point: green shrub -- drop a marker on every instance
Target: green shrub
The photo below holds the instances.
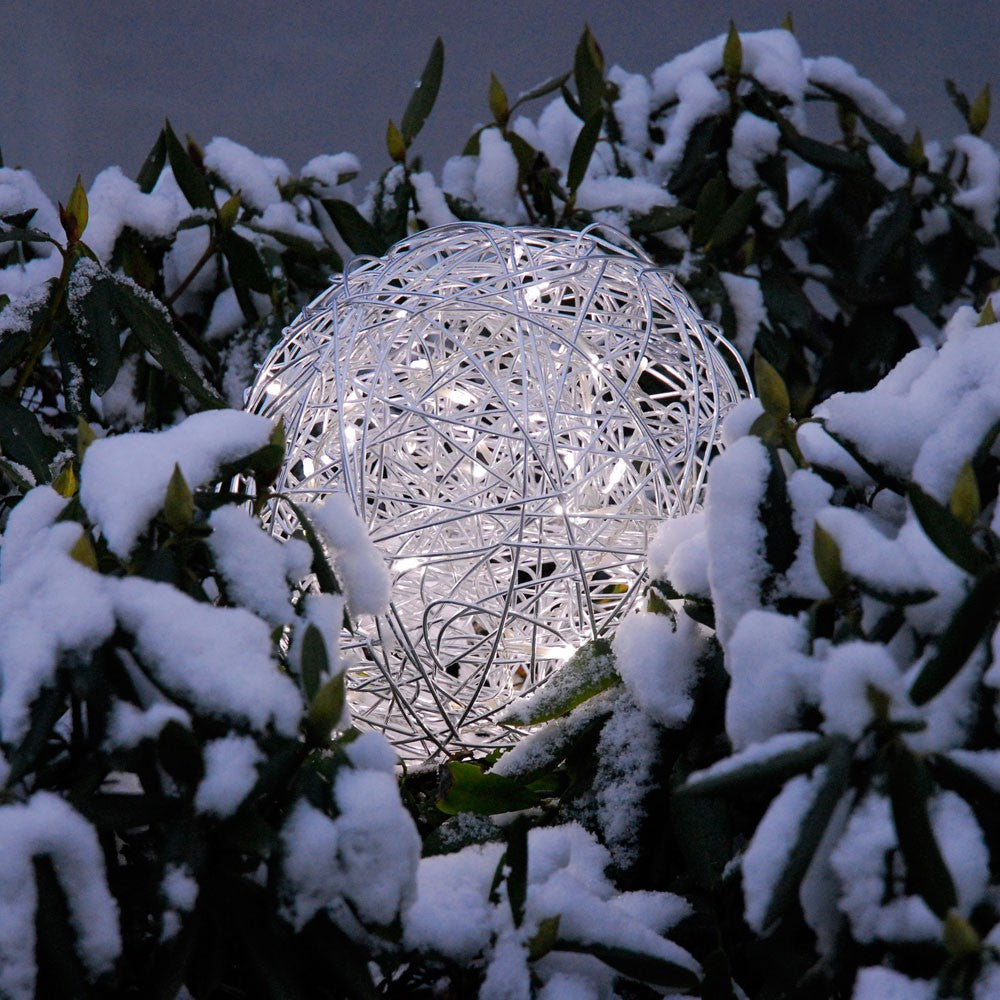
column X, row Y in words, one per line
column 789, row 759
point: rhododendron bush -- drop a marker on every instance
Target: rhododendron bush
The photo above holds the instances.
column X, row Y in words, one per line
column 779, row 777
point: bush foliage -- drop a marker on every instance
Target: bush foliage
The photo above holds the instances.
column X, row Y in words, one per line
column 785, row 782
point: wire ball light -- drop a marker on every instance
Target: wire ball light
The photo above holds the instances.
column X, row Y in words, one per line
column 512, row 412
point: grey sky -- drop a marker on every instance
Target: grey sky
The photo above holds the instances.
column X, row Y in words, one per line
column 85, row 85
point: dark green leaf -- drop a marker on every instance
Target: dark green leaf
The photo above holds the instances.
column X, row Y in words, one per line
column 244, row 262
column 760, row 773
column 588, row 672
column 322, row 564
column 970, row 625
column 46, row 710
column 23, row 441
column 60, row 971
column 151, row 325
column 950, row 536
column 469, row 789
column 709, row 208
column 781, row 540
column 152, row 166
column 735, row 219
column 424, row 95
column 958, row 98
column 546, row 87
column 636, row 964
column 180, row 753
column 315, row 664
column 661, row 218
column 24, row 234
column 890, row 231
column 571, row 102
column 879, row 474
column 583, row 150
column 99, row 330
column 190, row 179
column 811, row 830
column 357, row 232
column 588, row 74
column 703, row 830
column 926, row 872
column 517, row 868
column 821, row 154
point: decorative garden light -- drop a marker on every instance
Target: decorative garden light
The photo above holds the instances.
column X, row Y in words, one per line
column 512, row 413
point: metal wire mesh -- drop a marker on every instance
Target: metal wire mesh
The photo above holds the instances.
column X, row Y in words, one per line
column 512, row 413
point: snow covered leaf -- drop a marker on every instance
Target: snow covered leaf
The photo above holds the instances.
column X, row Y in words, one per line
column 588, row 672
column 646, row 968
column 761, row 766
column 786, row 839
column 22, row 439
column 151, row 324
column 969, row 626
column 322, row 564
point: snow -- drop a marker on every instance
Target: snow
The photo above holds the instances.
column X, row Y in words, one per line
column 626, row 756
column 657, row 659
column 771, row 677
column 981, row 195
column 755, row 753
column 736, row 567
column 230, row 775
column 860, row 858
column 116, row 202
column 46, row 826
column 849, row 671
column 747, row 300
column 124, row 479
column 878, row 983
column 219, row 658
column 820, row 449
column 495, row 183
column 180, row 892
column 434, row 210
column 809, row 494
column 367, row 855
column 772, row 844
column 50, row 605
column 841, row 76
column 329, row 168
column 256, row 567
column 984, row 764
column 632, row 107
column 130, row 725
column 698, row 98
column 754, row 139
column 887, row 171
column 452, row 914
column 255, row 177
column 360, row 567
column 679, row 554
column 771, row 57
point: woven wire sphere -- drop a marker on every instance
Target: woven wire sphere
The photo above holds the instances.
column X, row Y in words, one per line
column 512, row 412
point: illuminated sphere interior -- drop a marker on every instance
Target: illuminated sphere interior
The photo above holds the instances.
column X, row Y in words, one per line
column 512, row 413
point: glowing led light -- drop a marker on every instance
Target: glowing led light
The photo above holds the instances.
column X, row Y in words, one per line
column 513, row 412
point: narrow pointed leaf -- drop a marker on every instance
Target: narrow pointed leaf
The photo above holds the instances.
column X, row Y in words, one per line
column 470, row 789
column 926, row 871
column 322, row 564
column 583, row 150
column 152, row 166
column 638, row 965
column 424, row 94
column 355, row 230
column 946, row 531
column 191, row 181
column 970, row 625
